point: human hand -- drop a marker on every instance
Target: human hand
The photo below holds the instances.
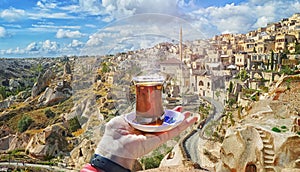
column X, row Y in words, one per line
column 123, row 144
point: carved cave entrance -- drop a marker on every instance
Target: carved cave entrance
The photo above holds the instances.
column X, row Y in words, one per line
column 251, row 168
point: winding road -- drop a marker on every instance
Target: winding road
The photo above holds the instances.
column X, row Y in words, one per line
column 192, row 142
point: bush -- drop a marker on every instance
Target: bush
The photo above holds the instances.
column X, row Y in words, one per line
column 24, row 123
column 275, row 129
column 152, row 162
column 283, row 127
column 49, row 113
column 74, row 124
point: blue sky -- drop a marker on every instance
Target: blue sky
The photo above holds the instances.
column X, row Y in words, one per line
column 39, row 28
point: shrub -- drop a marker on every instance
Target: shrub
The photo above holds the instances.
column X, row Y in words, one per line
column 152, row 162
column 74, row 124
column 24, row 123
column 275, row 129
column 49, row 113
column 283, row 127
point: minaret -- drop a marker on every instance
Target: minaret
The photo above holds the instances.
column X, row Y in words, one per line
column 180, row 44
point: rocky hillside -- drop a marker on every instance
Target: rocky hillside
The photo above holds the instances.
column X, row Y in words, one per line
column 263, row 135
column 46, row 104
column 53, row 111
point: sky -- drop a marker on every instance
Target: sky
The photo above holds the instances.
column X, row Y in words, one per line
column 51, row 28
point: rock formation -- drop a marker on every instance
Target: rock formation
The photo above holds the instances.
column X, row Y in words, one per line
column 67, row 69
column 61, row 92
column 42, row 82
column 19, row 141
column 258, row 148
column 82, row 153
column 49, row 142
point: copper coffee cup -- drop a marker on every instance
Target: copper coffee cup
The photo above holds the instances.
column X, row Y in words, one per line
column 149, row 107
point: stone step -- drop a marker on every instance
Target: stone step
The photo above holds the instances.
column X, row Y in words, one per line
column 268, row 146
column 268, row 162
column 269, row 157
column 270, row 168
column 269, row 152
column 265, row 140
column 263, row 135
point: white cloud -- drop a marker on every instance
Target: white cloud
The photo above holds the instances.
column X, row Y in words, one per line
column 2, row 32
column 139, row 31
column 68, row 34
column 13, row 25
column 91, row 6
column 49, row 15
column 50, row 46
column 76, row 44
column 117, row 9
column 12, row 14
column 90, row 25
column 50, row 27
column 94, row 40
column 132, row 28
column 15, row 51
column 243, row 17
column 32, row 47
column 42, row 48
column 45, row 5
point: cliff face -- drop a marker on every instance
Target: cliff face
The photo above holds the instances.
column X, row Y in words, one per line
column 239, row 148
column 51, row 141
column 254, row 147
column 266, row 137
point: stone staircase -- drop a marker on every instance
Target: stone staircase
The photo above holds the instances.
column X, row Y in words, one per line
column 268, row 151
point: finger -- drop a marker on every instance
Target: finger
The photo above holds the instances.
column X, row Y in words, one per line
column 178, row 108
column 186, row 114
column 177, row 130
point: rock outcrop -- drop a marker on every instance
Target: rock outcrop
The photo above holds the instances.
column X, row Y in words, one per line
column 67, row 69
column 258, row 148
column 82, row 153
column 247, row 149
column 42, row 82
column 49, row 142
column 6, row 103
column 61, row 92
column 19, row 141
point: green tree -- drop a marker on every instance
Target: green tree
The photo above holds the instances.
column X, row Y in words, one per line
column 74, row 124
column 2, row 93
column 105, row 68
column 243, row 75
column 37, row 69
column 24, row 123
column 286, row 70
column 49, row 113
column 218, row 94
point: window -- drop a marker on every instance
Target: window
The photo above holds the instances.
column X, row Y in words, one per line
column 201, row 83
